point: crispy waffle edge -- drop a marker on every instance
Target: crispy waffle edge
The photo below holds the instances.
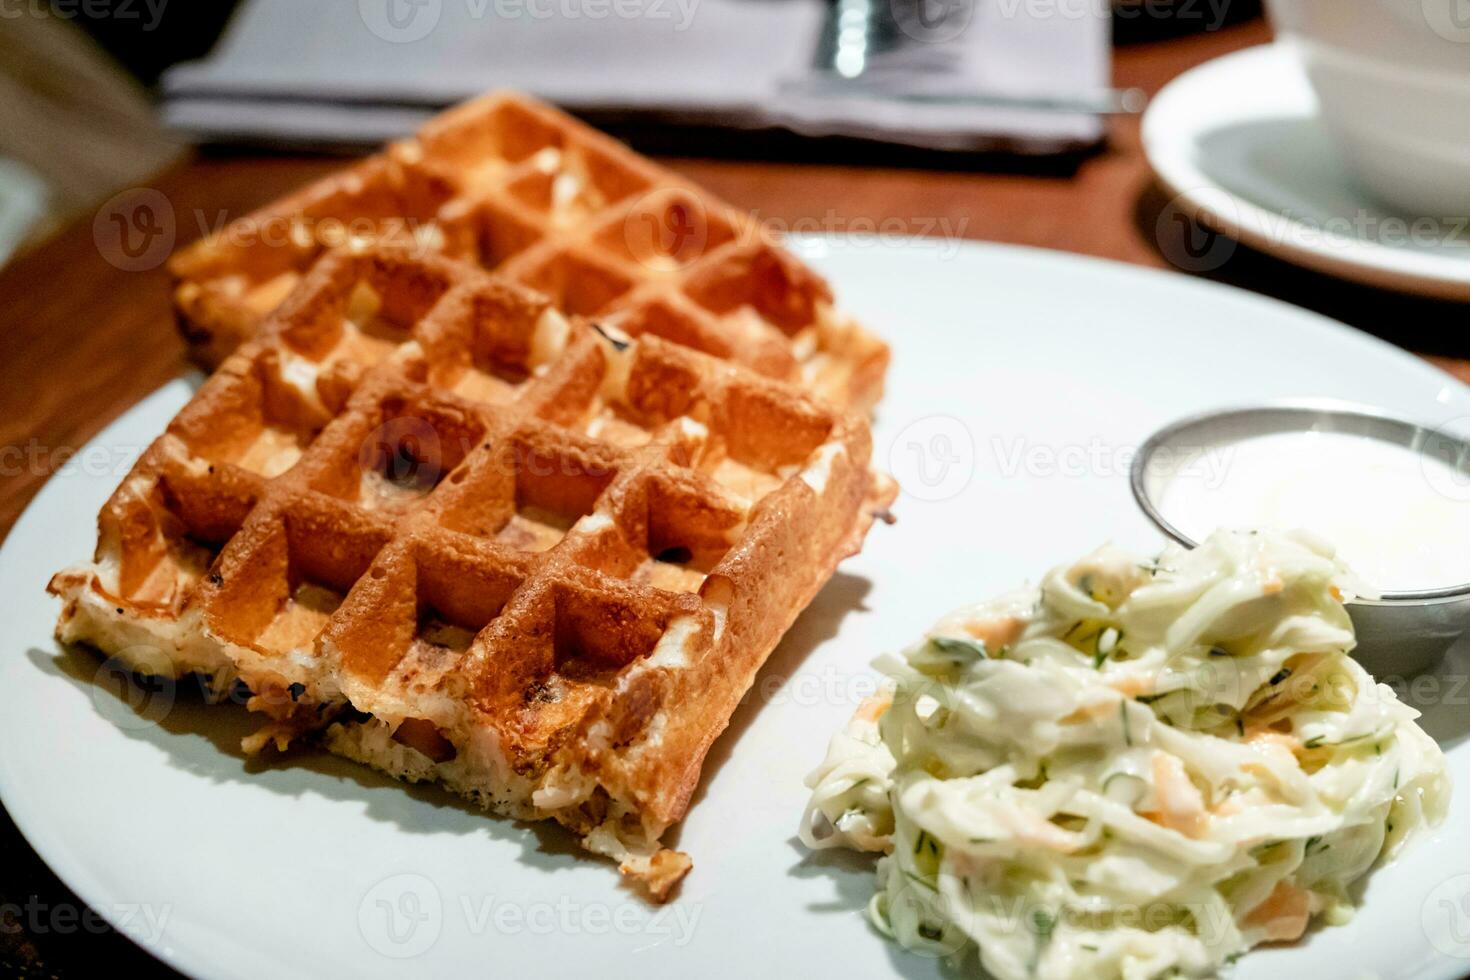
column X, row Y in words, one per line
column 510, row 184
column 558, row 621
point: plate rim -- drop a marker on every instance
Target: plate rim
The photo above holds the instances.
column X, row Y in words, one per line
column 1168, row 150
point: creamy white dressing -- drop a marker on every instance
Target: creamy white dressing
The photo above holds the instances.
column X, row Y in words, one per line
column 1385, row 507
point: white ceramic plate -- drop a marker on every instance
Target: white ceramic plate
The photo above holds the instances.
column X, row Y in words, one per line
column 1239, row 142
column 1020, row 383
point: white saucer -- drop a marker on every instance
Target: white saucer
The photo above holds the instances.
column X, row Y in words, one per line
column 1239, row 142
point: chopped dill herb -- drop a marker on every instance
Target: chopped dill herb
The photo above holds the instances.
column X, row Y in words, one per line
column 924, row 842
column 919, row 881
column 963, row 651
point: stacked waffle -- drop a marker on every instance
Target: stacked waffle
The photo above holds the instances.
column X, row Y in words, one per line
column 515, row 186
column 464, row 538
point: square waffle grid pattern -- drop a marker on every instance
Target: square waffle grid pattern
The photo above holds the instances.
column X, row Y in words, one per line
column 515, row 186
column 474, row 543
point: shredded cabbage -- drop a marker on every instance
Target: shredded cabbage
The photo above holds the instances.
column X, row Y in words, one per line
column 1140, row 768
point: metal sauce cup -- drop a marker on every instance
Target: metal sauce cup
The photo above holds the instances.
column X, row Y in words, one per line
column 1401, row 633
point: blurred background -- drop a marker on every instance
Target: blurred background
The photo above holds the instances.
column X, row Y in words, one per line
column 101, row 95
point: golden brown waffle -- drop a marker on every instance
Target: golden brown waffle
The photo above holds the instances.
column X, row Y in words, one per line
column 473, row 542
column 518, row 187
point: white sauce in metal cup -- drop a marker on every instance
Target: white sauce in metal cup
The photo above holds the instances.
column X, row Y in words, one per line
column 1399, row 518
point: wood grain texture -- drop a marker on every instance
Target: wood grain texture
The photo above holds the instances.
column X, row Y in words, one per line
column 85, row 339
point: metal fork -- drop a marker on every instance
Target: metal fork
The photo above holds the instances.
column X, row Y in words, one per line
column 878, row 48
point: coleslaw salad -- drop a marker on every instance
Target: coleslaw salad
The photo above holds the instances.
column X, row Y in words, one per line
column 1138, row 768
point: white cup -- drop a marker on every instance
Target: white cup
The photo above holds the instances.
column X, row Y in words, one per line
column 1393, row 81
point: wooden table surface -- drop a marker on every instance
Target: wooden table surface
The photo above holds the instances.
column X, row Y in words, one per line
column 86, row 339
